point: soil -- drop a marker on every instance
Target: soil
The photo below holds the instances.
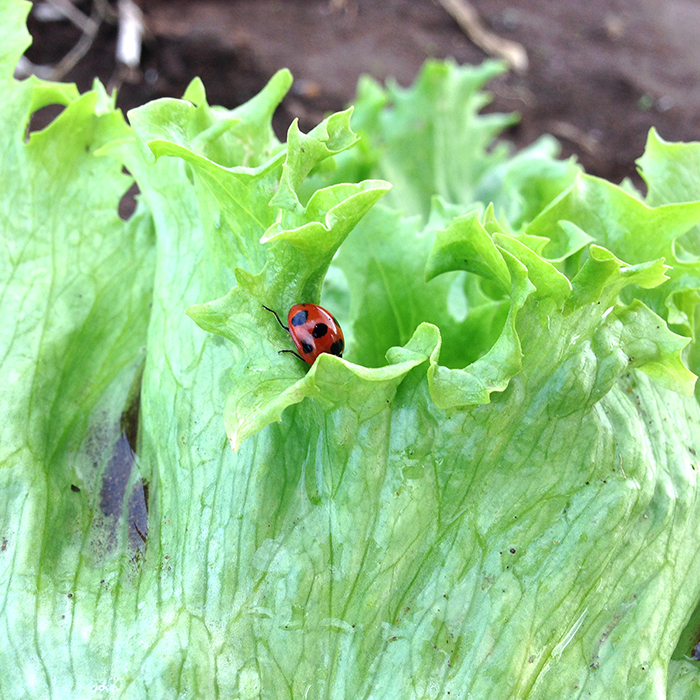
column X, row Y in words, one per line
column 601, row 72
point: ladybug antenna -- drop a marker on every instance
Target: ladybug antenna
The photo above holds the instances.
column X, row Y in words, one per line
column 272, row 311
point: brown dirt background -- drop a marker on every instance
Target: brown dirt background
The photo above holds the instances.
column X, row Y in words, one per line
column 601, row 72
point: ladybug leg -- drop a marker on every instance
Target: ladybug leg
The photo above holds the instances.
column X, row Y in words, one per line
column 286, row 328
column 293, row 353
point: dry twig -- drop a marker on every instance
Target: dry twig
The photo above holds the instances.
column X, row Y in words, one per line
column 468, row 19
column 130, row 33
column 128, row 54
column 572, row 133
column 87, row 25
column 72, row 13
column 83, row 45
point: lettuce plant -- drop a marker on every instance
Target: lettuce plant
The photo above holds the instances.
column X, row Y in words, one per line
column 495, row 493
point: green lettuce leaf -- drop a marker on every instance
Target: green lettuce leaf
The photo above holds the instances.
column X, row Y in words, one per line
column 493, row 494
column 75, row 296
column 428, row 139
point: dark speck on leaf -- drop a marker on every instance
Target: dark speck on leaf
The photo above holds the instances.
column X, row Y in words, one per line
column 75, row 488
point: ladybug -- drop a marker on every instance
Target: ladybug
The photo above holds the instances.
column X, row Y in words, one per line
column 314, row 331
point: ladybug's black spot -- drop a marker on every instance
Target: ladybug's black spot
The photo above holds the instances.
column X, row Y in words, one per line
column 305, row 347
column 320, row 329
column 338, row 347
column 299, row 318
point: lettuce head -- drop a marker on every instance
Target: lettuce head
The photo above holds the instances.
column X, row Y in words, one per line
column 494, row 494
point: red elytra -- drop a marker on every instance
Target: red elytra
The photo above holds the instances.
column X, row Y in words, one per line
column 313, row 330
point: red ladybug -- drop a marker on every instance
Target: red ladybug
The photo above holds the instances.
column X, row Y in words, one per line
column 313, row 330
